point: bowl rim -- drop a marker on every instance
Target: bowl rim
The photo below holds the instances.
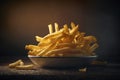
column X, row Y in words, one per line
column 94, row 56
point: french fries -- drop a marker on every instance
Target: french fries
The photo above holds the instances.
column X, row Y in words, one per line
column 25, row 67
column 50, row 28
column 83, row 70
column 63, row 42
column 56, row 27
column 16, row 63
column 19, row 64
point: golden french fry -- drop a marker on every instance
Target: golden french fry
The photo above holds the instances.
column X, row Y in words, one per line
column 25, row 67
column 72, row 25
column 31, row 47
column 90, row 38
column 61, row 45
column 38, row 39
column 56, row 27
column 16, row 63
column 83, row 70
column 31, row 53
column 50, row 28
column 35, row 51
column 93, row 47
column 21, row 63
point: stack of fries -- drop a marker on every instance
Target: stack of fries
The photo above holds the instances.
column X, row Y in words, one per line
column 63, row 42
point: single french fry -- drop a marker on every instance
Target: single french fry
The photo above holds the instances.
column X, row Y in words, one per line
column 50, row 28
column 25, row 67
column 35, row 51
column 93, row 47
column 21, row 63
column 72, row 25
column 56, row 27
column 31, row 47
column 90, row 38
column 38, row 39
column 83, row 70
column 16, row 63
column 66, row 29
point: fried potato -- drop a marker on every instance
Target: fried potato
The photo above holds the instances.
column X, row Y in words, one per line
column 66, row 29
column 16, row 63
column 25, row 67
column 38, row 38
column 31, row 47
column 83, row 70
column 61, row 50
column 61, row 45
column 56, row 27
column 50, row 28
column 19, row 64
column 72, row 25
column 63, row 42
column 93, row 47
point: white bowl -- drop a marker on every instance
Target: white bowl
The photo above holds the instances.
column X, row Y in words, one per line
column 62, row 62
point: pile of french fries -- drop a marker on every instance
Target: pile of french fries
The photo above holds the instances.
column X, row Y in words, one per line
column 64, row 42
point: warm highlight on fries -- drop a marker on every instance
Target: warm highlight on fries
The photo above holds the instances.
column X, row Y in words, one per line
column 63, row 42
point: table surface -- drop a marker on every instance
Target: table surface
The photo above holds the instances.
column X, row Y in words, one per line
column 96, row 72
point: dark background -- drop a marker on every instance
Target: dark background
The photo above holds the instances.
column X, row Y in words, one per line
column 20, row 21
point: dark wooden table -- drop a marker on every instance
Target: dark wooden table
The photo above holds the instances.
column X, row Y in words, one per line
column 94, row 72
